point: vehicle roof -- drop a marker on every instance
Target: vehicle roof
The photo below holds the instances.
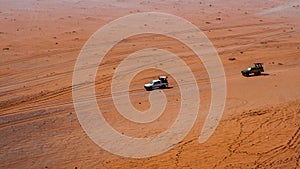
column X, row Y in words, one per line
column 155, row 80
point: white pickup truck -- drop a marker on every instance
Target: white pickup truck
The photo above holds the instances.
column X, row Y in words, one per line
column 160, row 83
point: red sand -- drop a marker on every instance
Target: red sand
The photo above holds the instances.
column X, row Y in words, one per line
column 41, row 40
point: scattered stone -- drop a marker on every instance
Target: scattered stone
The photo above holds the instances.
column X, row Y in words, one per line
column 207, row 22
column 280, row 63
column 219, row 18
column 241, row 52
column 5, row 48
column 140, row 103
column 231, row 59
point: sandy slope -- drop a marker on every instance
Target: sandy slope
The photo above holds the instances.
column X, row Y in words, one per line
column 40, row 42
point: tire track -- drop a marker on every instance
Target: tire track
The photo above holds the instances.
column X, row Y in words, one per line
column 242, row 26
column 43, row 95
column 41, row 55
column 41, row 115
column 293, row 143
column 272, row 116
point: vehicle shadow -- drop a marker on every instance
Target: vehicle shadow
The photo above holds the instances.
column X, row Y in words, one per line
column 262, row 74
column 161, row 88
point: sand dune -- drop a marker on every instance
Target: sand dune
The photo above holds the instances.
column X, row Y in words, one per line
column 40, row 43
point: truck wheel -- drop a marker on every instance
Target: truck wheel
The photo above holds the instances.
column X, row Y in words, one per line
column 245, row 74
column 257, row 73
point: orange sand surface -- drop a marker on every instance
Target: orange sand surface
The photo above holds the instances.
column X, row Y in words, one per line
column 41, row 40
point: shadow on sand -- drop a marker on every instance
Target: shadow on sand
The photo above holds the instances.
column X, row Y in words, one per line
column 262, row 74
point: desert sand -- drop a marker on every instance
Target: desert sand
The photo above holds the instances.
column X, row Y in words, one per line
column 40, row 43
